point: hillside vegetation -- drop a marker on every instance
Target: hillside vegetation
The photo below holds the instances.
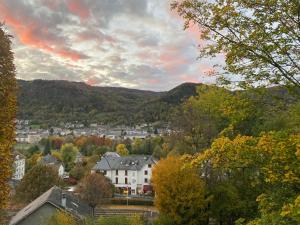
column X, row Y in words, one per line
column 51, row 102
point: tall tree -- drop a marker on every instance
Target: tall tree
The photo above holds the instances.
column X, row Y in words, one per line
column 36, row 181
column 253, row 177
column 260, row 39
column 68, row 155
column 179, row 192
column 7, row 113
column 94, row 188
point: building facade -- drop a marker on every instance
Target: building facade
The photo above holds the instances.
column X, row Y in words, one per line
column 129, row 173
column 19, row 166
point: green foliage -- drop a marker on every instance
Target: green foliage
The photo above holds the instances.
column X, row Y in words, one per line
column 252, row 178
column 68, row 155
column 53, row 102
column 32, row 150
column 48, row 147
column 257, row 38
column 37, row 181
column 7, row 113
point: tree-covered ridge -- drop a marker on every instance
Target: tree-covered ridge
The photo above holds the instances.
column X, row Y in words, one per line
column 52, row 101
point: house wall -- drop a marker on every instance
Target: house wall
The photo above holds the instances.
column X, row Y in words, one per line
column 39, row 216
column 135, row 178
column 19, row 169
column 61, row 170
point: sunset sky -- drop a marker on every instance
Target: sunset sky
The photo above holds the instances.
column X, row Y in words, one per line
column 129, row 43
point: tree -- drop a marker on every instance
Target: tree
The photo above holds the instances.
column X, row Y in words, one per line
column 260, row 39
column 180, row 192
column 158, row 152
column 7, row 113
column 37, row 181
column 68, row 155
column 47, row 148
column 94, row 188
column 122, row 150
column 32, row 150
column 252, row 177
column 78, row 171
column 61, row 218
column 213, row 111
column 137, row 146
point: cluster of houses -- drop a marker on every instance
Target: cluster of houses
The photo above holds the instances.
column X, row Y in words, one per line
column 129, row 174
column 26, row 134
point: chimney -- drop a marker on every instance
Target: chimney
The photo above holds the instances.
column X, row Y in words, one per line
column 63, row 200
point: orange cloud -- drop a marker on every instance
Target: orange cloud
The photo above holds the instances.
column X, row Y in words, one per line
column 27, row 35
column 78, row 8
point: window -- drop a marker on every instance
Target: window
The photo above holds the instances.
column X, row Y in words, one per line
column 149, row 165
column 104, row 172
column 126, row 172
column 126, row 180
column 117, row 172
column 117, row 180
column 146, row 180
column 146, row 172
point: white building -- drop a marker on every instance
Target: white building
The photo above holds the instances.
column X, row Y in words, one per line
column 132, row 173
column 19, row 166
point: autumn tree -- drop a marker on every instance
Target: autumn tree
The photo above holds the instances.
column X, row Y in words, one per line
column 260, row 39
column 61, row 218
column 122, row 150
column 94, row 188
column 180, row 192
column 37, row 181
column 68, row 155
column 252, row 177
column 7, row 113
column 212, row 112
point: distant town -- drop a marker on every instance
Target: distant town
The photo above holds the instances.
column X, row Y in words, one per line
column 32, row 134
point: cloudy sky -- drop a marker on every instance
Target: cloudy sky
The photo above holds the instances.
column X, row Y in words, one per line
column 129, row 43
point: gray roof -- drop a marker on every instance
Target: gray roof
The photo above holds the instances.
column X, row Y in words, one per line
column 50, row 160
column 132, row 162
column 54, row 196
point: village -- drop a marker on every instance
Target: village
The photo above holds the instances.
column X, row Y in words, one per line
column 130, row 174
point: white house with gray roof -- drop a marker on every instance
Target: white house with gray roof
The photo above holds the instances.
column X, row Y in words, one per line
column 129, row 172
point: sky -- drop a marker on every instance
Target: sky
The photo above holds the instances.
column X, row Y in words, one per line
column 129, row 43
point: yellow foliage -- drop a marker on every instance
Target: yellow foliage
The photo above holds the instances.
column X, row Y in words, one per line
column 122, row 150
column 61, row 218
column 7, row 114
column 179, row 191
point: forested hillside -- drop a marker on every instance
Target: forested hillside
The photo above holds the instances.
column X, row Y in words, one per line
column 54, row 101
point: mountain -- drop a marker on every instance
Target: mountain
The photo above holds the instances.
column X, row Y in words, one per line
column 51, row 102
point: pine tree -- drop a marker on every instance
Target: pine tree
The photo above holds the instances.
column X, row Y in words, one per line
column 7, row 113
